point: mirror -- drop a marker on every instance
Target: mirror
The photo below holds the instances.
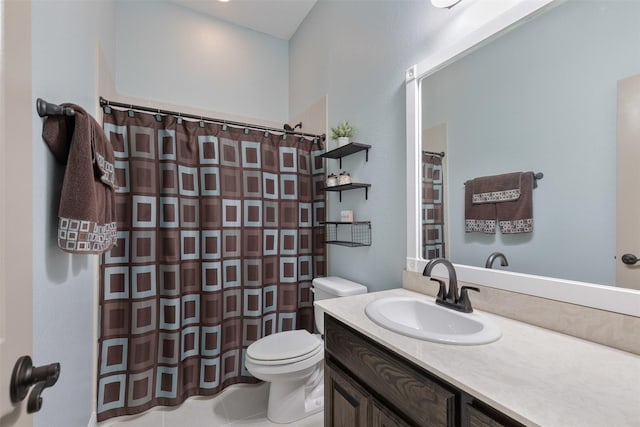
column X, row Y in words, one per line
column 540, row 97
column 586, row 293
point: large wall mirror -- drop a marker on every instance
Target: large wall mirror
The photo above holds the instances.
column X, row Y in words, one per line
column 537, row 91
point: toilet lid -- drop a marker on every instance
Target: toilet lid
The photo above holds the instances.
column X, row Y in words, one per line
column 284, row 345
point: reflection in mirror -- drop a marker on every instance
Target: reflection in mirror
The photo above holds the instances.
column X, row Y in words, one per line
column 542, row 98
column 433, row 201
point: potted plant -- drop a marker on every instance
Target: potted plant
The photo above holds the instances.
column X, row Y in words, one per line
column 342, row 133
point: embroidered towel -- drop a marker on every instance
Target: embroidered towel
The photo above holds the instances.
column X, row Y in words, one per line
column 516, row 216
column 87, row 213
column 506, row 200
column 478, row 217
column 496, row 188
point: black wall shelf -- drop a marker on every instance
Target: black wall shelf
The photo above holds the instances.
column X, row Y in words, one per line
column 346, row 150
column 359, row 233
column 352, row 186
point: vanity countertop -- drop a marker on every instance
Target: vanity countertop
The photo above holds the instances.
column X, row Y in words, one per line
column 534, row 375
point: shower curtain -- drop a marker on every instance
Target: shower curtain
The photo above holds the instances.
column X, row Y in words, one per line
column 432, row 207
column 219, row 237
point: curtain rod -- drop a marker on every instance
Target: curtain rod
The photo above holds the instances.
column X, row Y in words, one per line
column 106, row 103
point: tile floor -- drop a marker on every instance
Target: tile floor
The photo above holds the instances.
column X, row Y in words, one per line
column 239, row 405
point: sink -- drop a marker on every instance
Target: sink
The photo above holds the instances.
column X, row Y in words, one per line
column 425, row 320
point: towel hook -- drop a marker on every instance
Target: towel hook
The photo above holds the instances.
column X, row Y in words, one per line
column 45, row 108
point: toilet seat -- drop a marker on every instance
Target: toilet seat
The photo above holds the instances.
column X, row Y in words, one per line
column 284, row 348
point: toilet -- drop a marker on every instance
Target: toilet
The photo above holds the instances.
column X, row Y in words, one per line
column 293, row 361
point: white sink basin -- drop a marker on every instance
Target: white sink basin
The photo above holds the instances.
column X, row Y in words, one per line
column 425, row 320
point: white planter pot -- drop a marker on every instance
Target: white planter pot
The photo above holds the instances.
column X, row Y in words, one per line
column 343, row 140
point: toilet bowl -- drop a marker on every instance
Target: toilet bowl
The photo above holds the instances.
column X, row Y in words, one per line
column 293, row 361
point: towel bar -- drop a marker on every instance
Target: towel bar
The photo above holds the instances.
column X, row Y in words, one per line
column 537, row 176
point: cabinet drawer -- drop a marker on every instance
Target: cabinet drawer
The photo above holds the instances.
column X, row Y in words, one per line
column 393, row 379
column 478, row 419
column 488, row 418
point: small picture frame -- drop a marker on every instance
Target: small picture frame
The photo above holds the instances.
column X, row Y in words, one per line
column 346, row 216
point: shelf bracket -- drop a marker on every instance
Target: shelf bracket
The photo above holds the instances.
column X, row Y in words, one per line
column 366, row 194
column 366, row 157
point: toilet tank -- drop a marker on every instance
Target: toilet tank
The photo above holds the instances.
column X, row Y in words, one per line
column 332, row 287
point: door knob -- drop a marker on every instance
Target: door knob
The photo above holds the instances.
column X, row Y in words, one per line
column 630, row 259
column 25, row 375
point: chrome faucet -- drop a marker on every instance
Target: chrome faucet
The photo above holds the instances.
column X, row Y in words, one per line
column 450, row 298
column 493, row 257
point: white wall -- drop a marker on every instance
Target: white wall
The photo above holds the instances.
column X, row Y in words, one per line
column 170, row 54
column 65, row 42
column 357, row 53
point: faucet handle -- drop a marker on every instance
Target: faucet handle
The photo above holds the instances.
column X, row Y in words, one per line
column 464, row 302
column 442, row 291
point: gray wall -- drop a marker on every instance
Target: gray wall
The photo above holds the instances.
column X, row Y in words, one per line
column 171, row 54
column 65, row 37
column 357, row 53
column 542, row 98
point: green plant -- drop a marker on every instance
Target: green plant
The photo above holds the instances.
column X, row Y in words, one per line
column 343, row 129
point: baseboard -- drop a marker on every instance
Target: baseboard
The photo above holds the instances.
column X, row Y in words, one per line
column 93, row 421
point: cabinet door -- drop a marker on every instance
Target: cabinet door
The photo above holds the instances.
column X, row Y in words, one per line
column 383, row 417
column 346, row 404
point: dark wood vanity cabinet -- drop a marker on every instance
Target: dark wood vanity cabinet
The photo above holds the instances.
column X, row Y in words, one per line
column 367, row 385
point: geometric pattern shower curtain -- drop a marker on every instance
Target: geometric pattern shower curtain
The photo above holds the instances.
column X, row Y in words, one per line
column 218, row 240
column 433, row 245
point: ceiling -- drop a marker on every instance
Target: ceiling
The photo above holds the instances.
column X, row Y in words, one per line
column 278, row 18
